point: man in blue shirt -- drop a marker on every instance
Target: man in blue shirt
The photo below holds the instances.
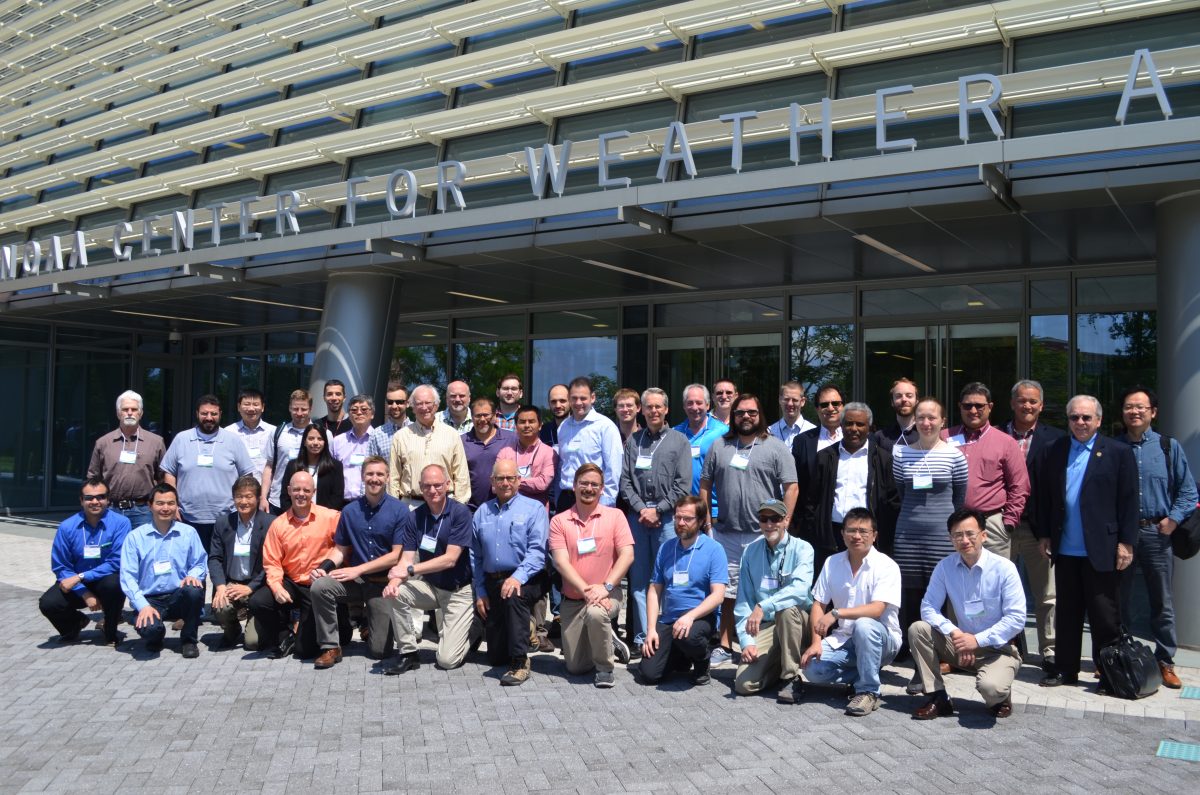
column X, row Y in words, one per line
column 686, row 589
column 508, row 558
column 1167, row 496
column 701, row 430
column 85, row 558
column 772, row 606
column 367, row 544
column 162, row 572
column 989, row 607
column 587, row 437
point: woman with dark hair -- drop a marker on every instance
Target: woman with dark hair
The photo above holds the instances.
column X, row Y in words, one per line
column 315, row 459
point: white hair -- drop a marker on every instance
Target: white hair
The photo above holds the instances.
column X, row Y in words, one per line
column 129, row 394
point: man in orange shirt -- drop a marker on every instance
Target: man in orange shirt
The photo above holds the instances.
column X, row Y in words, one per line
column 297, row 543
column 592, row 549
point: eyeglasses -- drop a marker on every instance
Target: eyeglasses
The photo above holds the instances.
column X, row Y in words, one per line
column 964, row 536
column 771, row 519
column 1080, row 417
column 1138, row 409
column 830, row 404
column 505, row 478
column 95, row 497
column 973, row 406
column 746, row 413
column 857, row 531
column 433, row 487
column 360, row 409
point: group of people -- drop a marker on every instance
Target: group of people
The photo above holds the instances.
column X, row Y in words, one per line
column 822, row 552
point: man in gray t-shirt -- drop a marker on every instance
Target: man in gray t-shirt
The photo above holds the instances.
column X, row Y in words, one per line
column 746, row 467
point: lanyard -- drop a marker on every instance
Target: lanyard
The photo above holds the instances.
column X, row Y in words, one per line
column 437, row 531
column 654, row 447
column 136, row 440
column 678, row 552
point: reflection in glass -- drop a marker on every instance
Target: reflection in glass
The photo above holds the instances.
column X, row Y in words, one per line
column 559, row 360
column 822, row 355
column 420, row 364
column 752, row 361
column 483, row 364
column 681, row 362
column 1049, row 364
column 81, row 377
column 22, row 447
column 157, row 391
column 985, row 352
column 1113, row 351
column 285, row 372
column 890, row 354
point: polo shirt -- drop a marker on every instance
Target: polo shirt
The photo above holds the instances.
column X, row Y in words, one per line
column 94, row 553
column 481, row 457
column 156, row 563
column 699, row 567
column 452, row 526
column 205, row 471
column 769, row 467
column 509, row 537
column 877, row 580
column 701, row 442
column 371, row 532
column 610, row 529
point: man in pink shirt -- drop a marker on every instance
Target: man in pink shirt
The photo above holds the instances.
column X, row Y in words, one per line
column 592, row 549
column 537, row 462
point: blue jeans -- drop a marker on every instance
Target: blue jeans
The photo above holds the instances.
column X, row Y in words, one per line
column 859, row 659
column 184, row 602
column 646, row 541
column 1152, row 554
column 137, row 516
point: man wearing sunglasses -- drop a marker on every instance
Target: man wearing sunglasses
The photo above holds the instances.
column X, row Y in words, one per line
column 1086, row 519
column 806, row 446
column 396, row 411
column 997, row 480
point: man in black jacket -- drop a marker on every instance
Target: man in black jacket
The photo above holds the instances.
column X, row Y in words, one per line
column 854, row 473
column 806, row 445
column 235, row 562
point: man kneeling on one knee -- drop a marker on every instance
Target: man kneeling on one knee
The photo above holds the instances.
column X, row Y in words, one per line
column 989, row 603
column 771, row 610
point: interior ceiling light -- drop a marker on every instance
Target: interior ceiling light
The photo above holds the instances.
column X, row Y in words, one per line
column 172, row 317
column 274, row 303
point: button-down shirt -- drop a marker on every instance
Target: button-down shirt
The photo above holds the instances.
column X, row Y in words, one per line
column 416, row 447
column 509, row 537
column 134, row 480
column 239, row 565
column 789, row 567
column 93, row 552
column 826, row 437
column 294, row 547
column 666, row 475
column 371, row 531
column 997, row 479
column 506, row 422
column 786, row 433
column 145, row 549
column 537, row 465
column 381, row 438
column 481, row 457
column 988, row 598
column 877, row 580
column 351, row 450
column 1023, row 438
column 1165, row 488
column 703, row 564
column 461, row 427
column 205, row 470
column 850, row 490
column 596, row 440
column 258, row 443
column 1072, row 542
column 285, row 447
column 452, row 527
column 701, row 442
column 607, row 526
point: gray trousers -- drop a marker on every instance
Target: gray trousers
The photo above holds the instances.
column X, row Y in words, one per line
column 994, row 668
column 1041, row 584
column 326, row 593
column 456, row 616
column 998, row 542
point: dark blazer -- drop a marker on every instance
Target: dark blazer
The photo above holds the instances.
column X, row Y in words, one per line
column 804, row 451
column 223, row 538
column 1043, row 437
column 1108, row 499
column 883, row 500
column 331, row 487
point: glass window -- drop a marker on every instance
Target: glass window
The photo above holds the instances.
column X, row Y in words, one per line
column 617, row 8
column 870, row 12
column 666, row 52
column 421, row 364
column 823, row 305
column 1049, row 364
column 181, row 121
column 637, row 316
column 506, row 87
column 112, row 178
column 584, row 321
column 114, row 339
column 386, row 66
column 182, row 160
column 284, row 373
column 919, row 70
column 485, row 41
column 11, row 332
column 291, row 339
column 635, row 363
column 325, row 82
column 1121, row 290
column 823, row 355
column 1095, row 43
column 1096, row 112
column 414, row 9
column 483, row 364
column 238, row 343
column 890, row 354
column 314, row 129
column 490, row 144
column 22, row 448
column 381, row 163
column 557, row 361
column 500, row 326
column 245, row 103
column 234, row 373
column 62, row 191
column 1049, row 293
column 301, row 178
column 774, row 31
column 946, row 298
column 78, row 419
column 240, row 146
column 704, row 313
column 586, row 126
column 123, row 137
column 1114, row 350
column 404, row 108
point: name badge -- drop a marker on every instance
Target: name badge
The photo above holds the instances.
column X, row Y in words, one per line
column 679, row 578
column 523, row 471
column 974, row 608
column 643, row 462
column 204, row 459
column 922, row 481
column 128, row 457
column 91, row 551
column 428, row 543
column 739, row 461
column 769, row 583
column 586, row 546
column 241, row 550
column 162, row 567
column 356, row 459
column 254, row 452
column 695, row 451
column 293, row 454
column 957, row 440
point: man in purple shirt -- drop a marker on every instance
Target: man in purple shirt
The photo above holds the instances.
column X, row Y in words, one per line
column 352, row 447
column 482, row 444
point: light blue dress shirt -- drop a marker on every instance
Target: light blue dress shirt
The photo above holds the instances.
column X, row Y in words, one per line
column 177, row 554
column 509, row 537
column 988, row 599
column 1072, row 542
column 789, row 565
column 594, row 440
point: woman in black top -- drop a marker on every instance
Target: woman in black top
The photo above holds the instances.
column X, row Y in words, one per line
column 315, row 459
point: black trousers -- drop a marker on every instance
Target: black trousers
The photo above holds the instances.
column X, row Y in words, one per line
column 566, row 501
column 275, row 620
column 506, row 627
column 205, row 531
column 184, row 602
column 1083, row 591
column 62, row 609
column 676, row 653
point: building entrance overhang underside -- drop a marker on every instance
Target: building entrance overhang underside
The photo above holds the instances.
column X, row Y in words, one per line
column 1064, row 200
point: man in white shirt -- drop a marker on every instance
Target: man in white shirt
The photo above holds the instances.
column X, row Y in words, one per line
column 989, row 605
column 790, row 424
column 255, row 433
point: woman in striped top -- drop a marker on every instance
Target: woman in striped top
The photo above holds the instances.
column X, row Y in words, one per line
column 931, row 477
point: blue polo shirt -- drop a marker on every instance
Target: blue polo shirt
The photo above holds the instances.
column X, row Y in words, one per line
column 701, row 442
column 453, row 526
column 705, row 563
column 95, row 553
column 371, row 532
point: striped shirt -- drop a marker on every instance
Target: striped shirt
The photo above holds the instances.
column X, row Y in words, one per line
column 416, row 447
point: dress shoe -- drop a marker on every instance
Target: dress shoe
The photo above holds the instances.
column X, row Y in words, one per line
column 364, row 634
column 190, row 651
column 286, row 644
column 154, row 646
column 178, row 625
column 1057, row 679
column 1003, row 709
column 1169, row 677
column 403, row 664
column 935, row 708
column 545, row 644
column 229, row 640
column 1048, row 664
column 71, row 637
column 328, row 658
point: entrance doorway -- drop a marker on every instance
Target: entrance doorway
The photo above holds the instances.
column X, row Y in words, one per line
column 159, row 385
column 751, row 361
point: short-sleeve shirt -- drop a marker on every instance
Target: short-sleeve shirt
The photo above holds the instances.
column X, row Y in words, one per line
column 770, row 465
column 687, row 575
column 259, row 443
column 452, row 527
column 608, row 526
column 205, row 471
column 878, row 580
column 371, row 532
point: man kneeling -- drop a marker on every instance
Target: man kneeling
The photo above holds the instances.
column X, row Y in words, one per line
column 690, row 575
column 985, row 591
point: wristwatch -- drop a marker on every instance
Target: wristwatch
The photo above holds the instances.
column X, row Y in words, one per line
column 411, row 573
column 608, row 587
column 836, row 615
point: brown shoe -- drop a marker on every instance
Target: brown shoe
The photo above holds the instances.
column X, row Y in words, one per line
column 945, row 668
column 935, row 708
column 1003, row 709
column 1169, row 677
column 518, row 673
column 329, row 658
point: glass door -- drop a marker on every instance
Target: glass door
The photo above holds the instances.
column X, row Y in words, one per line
column 751, row 361
column 159, row 387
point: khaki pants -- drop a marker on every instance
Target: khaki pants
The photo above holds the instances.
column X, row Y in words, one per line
column 1041, row 584
column 231, row 618
column 455, row 614
column 994, row 668
column 998, row 542
column 587, row 633
column 780, row 645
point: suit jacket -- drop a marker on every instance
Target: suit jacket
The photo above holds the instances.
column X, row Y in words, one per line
column 883, row 500
column 223, row 539
column 1043, row 437
column 331, row 487
column 804, row 451
column 1108, row 499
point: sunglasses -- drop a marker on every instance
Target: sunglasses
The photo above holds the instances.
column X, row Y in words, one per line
column 1080, row 417
column 973, row 406
column 746, row 413
column 95, row 497
column 772, row 519
column 830, row 404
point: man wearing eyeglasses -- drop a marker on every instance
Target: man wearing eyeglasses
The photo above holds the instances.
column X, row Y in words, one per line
column 351, row 448
column 396, row 410
column 1087, row 521
column 806, row 445
column 746, row 466
column 790, row 424
column 458, row 406
column 86, row 560
column 422, row 443
column 997, row 479
column 989, row 612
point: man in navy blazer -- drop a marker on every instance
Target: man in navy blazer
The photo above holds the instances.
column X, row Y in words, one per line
column 235, row 562
column 1087, row 522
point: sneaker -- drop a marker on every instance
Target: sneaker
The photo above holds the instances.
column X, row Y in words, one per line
column 720, row 656
column 862, row 704
column 604, row 679
column 915, row 686
column 518, row 673
column 620, row 650
column 791, row 693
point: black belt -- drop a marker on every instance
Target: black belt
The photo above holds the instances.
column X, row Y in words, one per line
column 127, row 504
column 1148, row 523
column 375, row 578
column 499, row 575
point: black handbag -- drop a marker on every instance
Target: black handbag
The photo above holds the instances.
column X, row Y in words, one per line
column 1129, row 669
column 1185, row 541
